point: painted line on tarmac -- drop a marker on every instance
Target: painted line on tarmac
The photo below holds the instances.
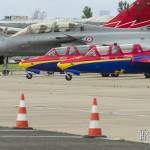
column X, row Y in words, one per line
column 66, row 137
column 41, row 136
column 19, row 130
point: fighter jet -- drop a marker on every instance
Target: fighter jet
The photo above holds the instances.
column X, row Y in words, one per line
column 37, row 39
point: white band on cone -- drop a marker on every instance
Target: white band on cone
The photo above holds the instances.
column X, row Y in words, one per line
column 22, row 103
column 94, row 109
column 21, row 117
column 94, row 124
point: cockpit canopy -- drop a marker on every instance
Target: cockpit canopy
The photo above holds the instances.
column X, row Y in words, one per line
column 55, row 26
column 96, row 50
column 68, row 51
column 121, row 49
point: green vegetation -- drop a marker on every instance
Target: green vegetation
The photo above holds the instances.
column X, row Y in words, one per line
column 87, row 12
column 123, row 5
column 12, row 67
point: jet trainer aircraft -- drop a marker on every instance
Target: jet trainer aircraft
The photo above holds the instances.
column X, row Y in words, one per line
column 49, row 61
column 37, row 39
column 110, row 60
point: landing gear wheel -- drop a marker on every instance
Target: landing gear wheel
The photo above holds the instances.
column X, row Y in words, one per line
column 29, row 76
column 50, row 73
column 114, row 75
column 147, row 75
column 68, row 77
column 105, row 74
column 5, row 72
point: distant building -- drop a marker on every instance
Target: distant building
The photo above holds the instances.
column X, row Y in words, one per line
column 16, row 18
column 104, row 13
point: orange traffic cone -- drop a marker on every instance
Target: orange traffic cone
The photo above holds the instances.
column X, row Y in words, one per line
column 22, row 121
column 94, row 128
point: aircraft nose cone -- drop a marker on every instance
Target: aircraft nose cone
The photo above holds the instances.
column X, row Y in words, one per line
column 21, row 64
column 24, row 64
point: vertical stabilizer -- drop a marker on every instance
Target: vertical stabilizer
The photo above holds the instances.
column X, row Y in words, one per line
column 137, row 15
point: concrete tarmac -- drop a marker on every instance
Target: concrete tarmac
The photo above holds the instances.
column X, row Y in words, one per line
column 11, row 139
column 55, row 104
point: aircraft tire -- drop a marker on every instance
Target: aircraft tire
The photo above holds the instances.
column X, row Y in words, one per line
column 147, row 75
column 114, row 75
column 29, row 76
column 5, row 72
column 105, row 74
column 50, row 73
column 68, row 77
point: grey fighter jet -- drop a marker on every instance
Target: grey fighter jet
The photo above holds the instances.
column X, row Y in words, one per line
column 37, row 39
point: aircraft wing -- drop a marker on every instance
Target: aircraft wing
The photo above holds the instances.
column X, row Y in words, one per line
column 143, row 60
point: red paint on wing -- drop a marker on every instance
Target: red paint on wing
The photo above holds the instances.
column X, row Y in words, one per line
column 145, row 60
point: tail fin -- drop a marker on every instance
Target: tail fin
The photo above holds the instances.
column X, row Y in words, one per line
column 137, row 15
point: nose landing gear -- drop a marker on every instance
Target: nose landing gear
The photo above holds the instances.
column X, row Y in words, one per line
column 29, row 75
column 68, row 77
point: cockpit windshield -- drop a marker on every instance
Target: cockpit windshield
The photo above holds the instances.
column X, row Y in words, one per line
column 103, row 50
column 60, row 51
column 146, row 47
column 69, row 51
column 98, row 50
column 91, row 53
column 128, row 48
column 83, row 49
column 52, row 53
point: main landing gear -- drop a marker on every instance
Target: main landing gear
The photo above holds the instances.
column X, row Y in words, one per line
column 5, row 70
column 147, row 75
column 68, row 76
column 112, row 74
column 105, row 74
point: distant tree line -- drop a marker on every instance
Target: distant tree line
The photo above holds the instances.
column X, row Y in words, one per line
column 39, row 14
column 87, row 11
column 123, row 5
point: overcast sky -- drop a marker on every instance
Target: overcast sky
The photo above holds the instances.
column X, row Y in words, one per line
column 57, row 8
